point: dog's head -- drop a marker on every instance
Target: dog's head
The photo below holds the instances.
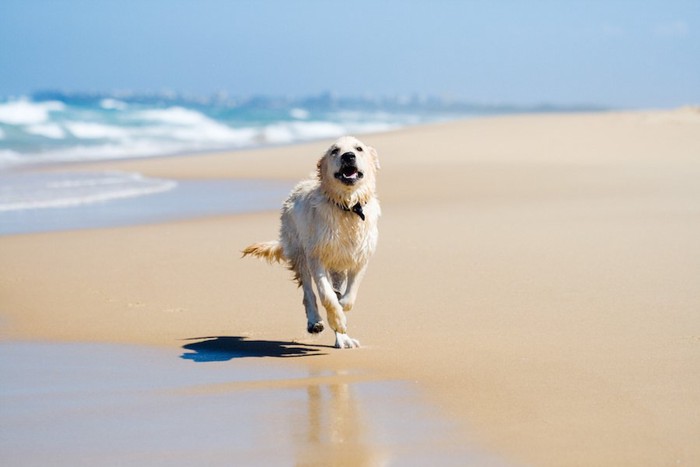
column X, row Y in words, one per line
column 348, row 167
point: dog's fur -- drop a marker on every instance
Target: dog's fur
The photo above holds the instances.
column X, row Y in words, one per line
column 328, row 233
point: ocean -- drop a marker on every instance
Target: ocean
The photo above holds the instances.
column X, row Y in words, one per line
column 58, row 127
column 54, row 128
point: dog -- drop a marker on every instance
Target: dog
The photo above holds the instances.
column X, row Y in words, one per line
column 329, row 232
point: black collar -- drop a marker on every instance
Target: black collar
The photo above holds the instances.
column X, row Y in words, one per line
column 357, row 209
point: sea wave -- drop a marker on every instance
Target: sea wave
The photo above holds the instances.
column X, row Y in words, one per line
column 25, row 112
column 47, row 130
column 58, row 128
column 113, row 104
column 58, row 190
column 174, row 116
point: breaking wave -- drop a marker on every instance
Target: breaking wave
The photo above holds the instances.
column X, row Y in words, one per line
column 58, row 128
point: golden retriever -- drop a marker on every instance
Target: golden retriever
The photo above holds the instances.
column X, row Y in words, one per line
column 328, row 233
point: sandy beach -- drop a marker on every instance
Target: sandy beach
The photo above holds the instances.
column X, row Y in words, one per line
column 536, row 283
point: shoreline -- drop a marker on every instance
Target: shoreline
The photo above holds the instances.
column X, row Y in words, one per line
column 534, row 276
column 110, row 203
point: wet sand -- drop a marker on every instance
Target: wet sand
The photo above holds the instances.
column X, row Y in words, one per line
column 536, row 278
column 98, row 404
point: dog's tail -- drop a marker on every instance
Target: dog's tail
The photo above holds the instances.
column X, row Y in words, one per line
column 269, row 251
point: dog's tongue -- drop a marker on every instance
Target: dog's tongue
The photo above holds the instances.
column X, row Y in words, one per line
column 350, row 172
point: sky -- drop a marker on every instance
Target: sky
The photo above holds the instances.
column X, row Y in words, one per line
column 631, row 54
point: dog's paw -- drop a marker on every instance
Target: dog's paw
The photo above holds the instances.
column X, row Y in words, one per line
column 343, row 341
column 315, row 328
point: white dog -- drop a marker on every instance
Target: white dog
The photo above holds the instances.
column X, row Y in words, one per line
column 328, row 233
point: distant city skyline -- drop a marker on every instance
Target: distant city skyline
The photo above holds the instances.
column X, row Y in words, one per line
column 615, row 54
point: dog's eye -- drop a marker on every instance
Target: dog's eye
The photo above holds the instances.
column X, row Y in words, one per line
column 359, row 149
column 335, row 151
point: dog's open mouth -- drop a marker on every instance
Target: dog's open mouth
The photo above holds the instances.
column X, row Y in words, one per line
column 349, row 174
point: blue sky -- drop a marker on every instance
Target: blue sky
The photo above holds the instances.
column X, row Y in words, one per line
column 643, row 53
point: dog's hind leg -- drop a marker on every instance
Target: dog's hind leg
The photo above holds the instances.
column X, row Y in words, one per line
column 347, row 300
column 339, row 281
column 314, row 322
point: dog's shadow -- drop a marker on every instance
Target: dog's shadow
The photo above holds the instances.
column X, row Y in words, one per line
column 225, row 348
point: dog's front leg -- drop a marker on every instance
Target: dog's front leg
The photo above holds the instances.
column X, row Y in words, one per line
column 347, row 300
column 324, row 285
column 334, row 311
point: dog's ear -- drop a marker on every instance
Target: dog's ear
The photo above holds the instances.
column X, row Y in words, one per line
column 375, row 157
column 321, row 166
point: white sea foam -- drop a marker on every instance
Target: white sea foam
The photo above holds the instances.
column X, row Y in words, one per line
column 60, row 190
column 288, row 132
column 210, row 132
column 47, row 130
column 24, row 112
column 113, row 104
column 299, row 114
column 193, row 128
column 117, row 150
column 174, row 116
column 89, row 130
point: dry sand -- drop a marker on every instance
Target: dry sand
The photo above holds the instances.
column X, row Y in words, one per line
column 538, row 276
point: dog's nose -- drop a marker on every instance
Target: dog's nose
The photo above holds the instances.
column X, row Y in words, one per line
column 348, row 158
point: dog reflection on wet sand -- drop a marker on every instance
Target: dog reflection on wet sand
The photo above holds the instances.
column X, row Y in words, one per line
column 334, row 430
